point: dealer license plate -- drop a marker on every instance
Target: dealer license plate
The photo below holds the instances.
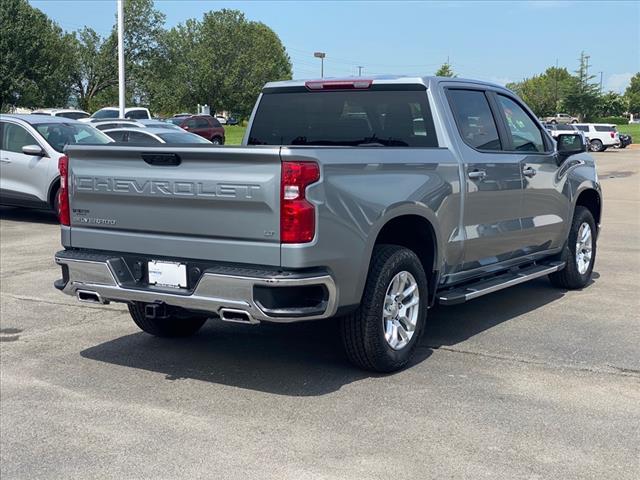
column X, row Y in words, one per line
column 167, row 274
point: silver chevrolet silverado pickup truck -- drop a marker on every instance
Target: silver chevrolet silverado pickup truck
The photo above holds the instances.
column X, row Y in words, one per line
column 367, row 200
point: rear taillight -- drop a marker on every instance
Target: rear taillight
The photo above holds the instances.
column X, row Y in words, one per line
column 613, row 135
column 63, row 192
column 297, row 215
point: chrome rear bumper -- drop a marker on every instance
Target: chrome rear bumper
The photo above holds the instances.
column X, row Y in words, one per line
column 103, row 275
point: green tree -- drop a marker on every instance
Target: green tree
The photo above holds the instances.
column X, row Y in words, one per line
column 632, row 95
column 96, row 69
column 545, row 93
column 222, row 60
column 611, row 104
column 583, row 99
column 445, row 70
column 35, row 61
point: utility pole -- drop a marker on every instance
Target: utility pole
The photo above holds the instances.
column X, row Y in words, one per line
column 600, row 82
column 360, row 70
column 555, row 81
column 121, row 99
column 321, row 56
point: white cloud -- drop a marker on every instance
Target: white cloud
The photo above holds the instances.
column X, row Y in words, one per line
column 617, row 82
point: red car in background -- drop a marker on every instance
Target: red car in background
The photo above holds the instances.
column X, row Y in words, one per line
column 204, row 125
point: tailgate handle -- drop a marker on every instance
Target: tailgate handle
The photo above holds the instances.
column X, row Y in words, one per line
column 162, row 159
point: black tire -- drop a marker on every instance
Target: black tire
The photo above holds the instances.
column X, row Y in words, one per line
column 596, row 145
column 172, row 326
column 553, row 122
column 574, row 121
column 570, row 277
column 216, row 141
column 56, row 201
column 363, row 332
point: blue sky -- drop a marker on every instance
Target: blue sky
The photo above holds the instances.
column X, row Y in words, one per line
column 497, row 41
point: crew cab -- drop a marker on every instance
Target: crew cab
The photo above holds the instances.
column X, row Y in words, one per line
column 370, row 200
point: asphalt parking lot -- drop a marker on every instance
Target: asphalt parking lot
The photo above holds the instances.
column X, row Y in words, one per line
column 531, row 382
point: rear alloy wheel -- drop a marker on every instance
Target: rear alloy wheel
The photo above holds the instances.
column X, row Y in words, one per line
column 553, row 122
column 580, row 252
column 401, row 309
column 216, row 141
column 383, row 332
column 596, row 145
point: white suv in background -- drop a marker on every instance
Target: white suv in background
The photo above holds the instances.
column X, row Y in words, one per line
column 71, row 113
column 30, row 147
column 600, row 135
column 135, row 113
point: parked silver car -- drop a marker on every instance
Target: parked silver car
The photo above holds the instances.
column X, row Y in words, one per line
column 30, row 147
column 153, row 136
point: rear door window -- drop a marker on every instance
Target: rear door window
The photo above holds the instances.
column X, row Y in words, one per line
column 118, row 136
column 202, row 123
column 604, row 128
column 475, row 121
column 383, row 118
column 140, row 137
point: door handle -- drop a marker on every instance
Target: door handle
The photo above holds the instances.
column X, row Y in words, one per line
column 529, row 172
column 5, row 161
column 477, row 174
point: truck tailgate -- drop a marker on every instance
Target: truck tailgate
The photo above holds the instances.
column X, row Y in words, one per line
column 218, row 203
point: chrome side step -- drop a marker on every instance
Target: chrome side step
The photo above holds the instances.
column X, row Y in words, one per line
column 490, row 285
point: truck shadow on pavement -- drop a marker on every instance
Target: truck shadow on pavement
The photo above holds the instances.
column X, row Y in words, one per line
column 304, row 359
column 17, row 214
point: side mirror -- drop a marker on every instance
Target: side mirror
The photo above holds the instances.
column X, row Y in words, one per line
column 569, row 144
column 33, row 150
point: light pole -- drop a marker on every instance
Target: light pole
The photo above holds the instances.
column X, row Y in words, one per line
column 121, row 57
column 360, row 71
column 321, row 56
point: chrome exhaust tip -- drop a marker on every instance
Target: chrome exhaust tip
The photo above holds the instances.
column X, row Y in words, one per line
column 87, row 296
column 237, row 316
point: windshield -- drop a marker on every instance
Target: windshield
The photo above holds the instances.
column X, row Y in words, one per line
column 59, row 135
column 73, row 115
column 176, row 137
column 175, row 121
column 105, row 113
column 389, row 118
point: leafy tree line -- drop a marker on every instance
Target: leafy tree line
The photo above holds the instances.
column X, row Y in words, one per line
column 222, row 60
column 556, row 90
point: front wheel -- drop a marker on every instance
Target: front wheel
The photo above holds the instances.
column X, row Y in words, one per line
column 170, row 326
column 579, row 254
column 382, row 334
column 216, row 141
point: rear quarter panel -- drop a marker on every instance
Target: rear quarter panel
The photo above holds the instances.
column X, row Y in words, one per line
column 360, row 190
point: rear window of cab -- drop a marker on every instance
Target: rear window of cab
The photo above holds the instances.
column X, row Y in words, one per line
column 371, row 118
